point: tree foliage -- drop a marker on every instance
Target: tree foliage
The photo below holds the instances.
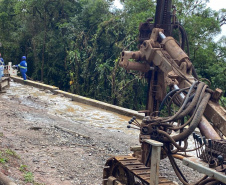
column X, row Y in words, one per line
column 76, row 45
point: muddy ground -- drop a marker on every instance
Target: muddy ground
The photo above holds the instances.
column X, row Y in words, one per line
column 36, row 149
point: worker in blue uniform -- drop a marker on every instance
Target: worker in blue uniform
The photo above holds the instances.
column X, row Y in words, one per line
column 1, row 66
column 1, row 59
column 23, row 67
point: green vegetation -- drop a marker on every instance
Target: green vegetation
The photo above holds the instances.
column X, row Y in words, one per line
column 76, row 45
column 23, row 168
column 11, row 153
column 3, row 160
column 28, row 176
column 8, row 156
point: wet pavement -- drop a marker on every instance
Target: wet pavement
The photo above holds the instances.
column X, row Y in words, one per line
column 76, row 112
column 64, row 107
column 107, row 131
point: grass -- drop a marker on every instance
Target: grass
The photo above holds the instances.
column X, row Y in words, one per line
column 11, row 153
column 3, row 158
column 23, row 168
column 29, row 177
column 7, row 155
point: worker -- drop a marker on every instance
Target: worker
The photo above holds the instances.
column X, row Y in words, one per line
column 1, row 66
column 1, row 60
column 23, row 67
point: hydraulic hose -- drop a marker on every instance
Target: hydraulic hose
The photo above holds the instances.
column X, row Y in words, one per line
column 193, row 103
column 184, row 103
column 167, row 96
column 184, row 36
column 185, row 39
column 196, row 119
column 177, row 170
column 190, row 119
column 202, row 179
column 172, row 140
column 204, row 182
column 213, row 182
column 175, row 94
column 200, row 108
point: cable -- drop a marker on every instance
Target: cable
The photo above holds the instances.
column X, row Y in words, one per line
column 184, row 103
column 177, row 170
column 197, row 117
column 204, row 182
column 163, row 101
column 193, row 103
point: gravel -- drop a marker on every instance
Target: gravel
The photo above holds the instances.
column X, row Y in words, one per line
column 59, row 151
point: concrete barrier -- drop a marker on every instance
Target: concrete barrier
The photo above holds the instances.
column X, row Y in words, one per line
column 4, row 83
column 82, row 99
column 33, row 83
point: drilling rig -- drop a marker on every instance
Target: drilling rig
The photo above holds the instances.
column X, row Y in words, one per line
column 172, row 82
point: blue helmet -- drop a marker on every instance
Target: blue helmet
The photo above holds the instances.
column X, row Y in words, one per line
column 23, row 57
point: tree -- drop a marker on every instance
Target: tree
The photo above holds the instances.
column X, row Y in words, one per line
column 76, row 45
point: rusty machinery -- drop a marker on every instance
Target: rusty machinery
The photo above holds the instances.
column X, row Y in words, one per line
column 167, row 66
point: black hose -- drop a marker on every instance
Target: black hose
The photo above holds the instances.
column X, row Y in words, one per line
column 184, row 103
column 204, row 182
column 194, row 72
column 174, row 97
column 185, row 39
column 177, row 170
column 201, row 105
column 197, row 118
column 166, row 97
column 202, row 179
column 216, row 182
column 198, row 92
column 172, row 140
column 193, row 103
column 149, row 155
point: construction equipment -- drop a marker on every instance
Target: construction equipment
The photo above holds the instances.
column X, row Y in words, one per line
column 190, row 105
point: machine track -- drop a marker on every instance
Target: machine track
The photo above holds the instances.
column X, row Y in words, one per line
column 127, row 170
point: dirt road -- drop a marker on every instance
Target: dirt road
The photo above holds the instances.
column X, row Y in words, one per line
column 48, row 139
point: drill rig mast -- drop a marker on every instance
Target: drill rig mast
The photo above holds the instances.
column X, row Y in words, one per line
column 167, row 66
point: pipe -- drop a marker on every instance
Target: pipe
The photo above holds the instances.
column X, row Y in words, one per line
column 176, row 156
column 207, row 130
column 162, row 36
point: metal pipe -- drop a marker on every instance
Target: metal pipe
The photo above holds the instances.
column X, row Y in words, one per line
column 162, row 36
column 181, row 94
column 207, row 130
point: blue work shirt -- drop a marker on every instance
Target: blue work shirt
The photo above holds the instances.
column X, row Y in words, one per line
column 2, row 61
column 23, row 66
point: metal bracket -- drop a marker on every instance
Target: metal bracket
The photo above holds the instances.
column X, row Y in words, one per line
column 155, row 160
